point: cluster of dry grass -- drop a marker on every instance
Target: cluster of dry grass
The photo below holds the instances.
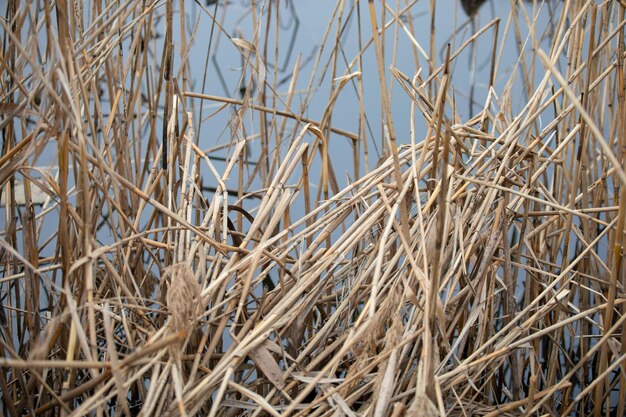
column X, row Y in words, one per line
column 475, row 269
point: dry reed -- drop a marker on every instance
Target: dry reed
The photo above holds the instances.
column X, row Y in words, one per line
column 474, row 268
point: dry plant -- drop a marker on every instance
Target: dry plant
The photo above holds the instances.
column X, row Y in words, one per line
column 475, row 268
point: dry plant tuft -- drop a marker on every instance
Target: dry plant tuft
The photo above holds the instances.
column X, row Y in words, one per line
column 183, row 299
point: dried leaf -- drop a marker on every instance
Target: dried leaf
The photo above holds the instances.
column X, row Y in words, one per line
column 244, row 45
column 422, row 406
column 8, row 108
column 264, row 360
column 12, row 110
